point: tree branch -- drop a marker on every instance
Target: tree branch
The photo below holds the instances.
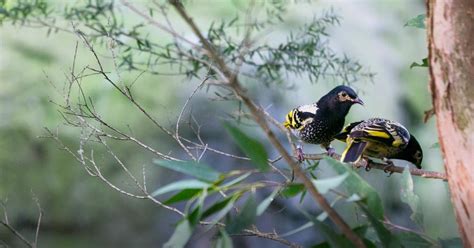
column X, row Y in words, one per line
column 382, row 166
column 258, row 116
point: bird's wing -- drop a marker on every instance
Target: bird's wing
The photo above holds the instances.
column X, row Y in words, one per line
column 380, row 130
column 342, row 136
column 353, row 152
column 300, row 116
column 306, row 114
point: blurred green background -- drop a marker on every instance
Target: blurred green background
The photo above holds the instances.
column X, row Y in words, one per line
column 81, row 211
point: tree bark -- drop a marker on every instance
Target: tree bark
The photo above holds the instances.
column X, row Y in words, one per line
column 451, row 67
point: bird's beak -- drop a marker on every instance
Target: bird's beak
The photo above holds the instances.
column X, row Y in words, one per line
column 358, row 100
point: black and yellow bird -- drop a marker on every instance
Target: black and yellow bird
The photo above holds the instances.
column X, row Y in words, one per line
column 319, row 122
column 379, row 138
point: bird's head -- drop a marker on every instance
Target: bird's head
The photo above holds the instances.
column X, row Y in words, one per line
column 340, row 99
column 413, row 152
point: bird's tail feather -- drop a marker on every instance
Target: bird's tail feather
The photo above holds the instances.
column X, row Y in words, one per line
column 353, row 152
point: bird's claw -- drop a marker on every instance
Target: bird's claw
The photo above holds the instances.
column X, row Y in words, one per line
column 331, row 151
column 299, row 154
column 367, row 164
column 389, row 166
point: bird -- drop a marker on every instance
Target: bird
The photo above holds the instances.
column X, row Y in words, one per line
column 380, row 138
column 319, row 122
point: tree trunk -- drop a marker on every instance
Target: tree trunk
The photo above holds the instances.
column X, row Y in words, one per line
column 451, row 61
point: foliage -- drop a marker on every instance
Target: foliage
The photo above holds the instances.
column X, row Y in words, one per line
column 306, row 51
column 222, row 200
column 417, row 22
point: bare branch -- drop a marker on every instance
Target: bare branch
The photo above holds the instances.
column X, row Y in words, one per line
column 382, row 166
column 259, row 118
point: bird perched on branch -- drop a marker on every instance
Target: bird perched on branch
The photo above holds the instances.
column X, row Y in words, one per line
column 319, row 122
column 379, row 138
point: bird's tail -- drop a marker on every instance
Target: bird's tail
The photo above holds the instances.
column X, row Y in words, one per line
column 353, row 152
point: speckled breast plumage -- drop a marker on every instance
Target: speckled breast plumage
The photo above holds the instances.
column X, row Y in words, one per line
column 319, row 131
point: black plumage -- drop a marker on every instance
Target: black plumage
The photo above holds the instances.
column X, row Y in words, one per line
column 317, row 123
column 379, row 138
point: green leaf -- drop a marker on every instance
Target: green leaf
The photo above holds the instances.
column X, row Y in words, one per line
column 424, row 63
column 181, row 235
column 410, row 239
column 221, row 208
column 435, row 145
column 224, row 241
column 195, row 215
column 409, row 197
column 333, row 238
column 236, row 180
column 360, row 231
column 354, row 184
column 297, row 230
column 321, row 217
column 326, row 184
column 251, row 147
column 180, row 185
column 385, row 236
column 292, row 190
column 451, row 243
column 182, row 196
column 198, row 170
column 246, row 216
column 417, row 22
column 265, row 203
column 353, row 198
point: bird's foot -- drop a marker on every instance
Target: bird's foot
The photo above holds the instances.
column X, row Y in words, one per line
column 299, row 154
column 389, row 166
column 331, row 151
column 367, row 164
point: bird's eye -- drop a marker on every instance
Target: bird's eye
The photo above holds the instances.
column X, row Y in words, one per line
column 344, row 94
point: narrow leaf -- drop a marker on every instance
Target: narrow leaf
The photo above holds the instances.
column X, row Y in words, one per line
column 417, row 22
column 451, row 243
column 180, row 185
column 333, row 238
column 216, row 207
column 385, row 236
column 250, row 146
column 224, row 240
column 236, row 180
column 354, row 184
column 292, row 190
column 198, row 170
column 411, row 239
column 182, row 196
column 409, row 197
column 326, row 184
column 424, row 63
column 246, row 216
column 265, row 203
column 297, row 230
column 181, row 235
column 435, row 145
